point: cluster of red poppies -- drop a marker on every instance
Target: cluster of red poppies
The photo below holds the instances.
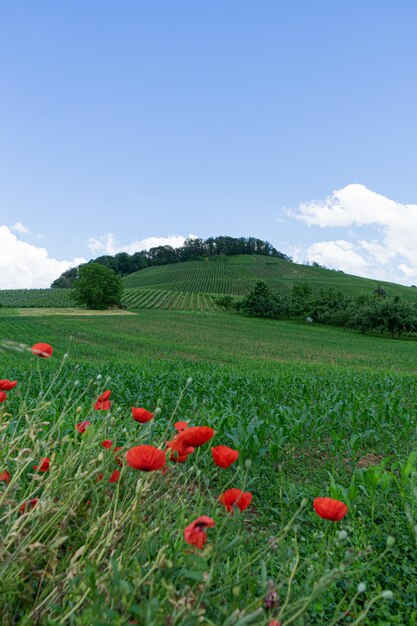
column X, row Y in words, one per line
column 148, row 458
column 6, row 385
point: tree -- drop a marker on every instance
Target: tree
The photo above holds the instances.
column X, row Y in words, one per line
column 263, row 302
column 97, row 287
column 66, row 280
column 301, row 294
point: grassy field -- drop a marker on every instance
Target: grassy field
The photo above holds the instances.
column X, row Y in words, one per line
column 314, row 411
column 189, row 286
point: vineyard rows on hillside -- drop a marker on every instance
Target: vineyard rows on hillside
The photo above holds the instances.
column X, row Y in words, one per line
column 22, row 298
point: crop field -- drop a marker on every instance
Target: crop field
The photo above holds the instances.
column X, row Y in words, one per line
column 312, row 411
column 19, row 298
column 237, row 275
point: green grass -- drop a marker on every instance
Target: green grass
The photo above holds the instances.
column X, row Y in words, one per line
column 218, row 338
column 313, row 411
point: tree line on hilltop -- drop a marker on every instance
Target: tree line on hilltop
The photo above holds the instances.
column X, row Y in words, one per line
column 365, row 312
column 123, row 263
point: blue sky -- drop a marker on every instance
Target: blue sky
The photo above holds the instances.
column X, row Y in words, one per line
column 125, row 121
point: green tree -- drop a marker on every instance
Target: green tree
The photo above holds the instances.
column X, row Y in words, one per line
column 301, row 294
column 263, row 302
column 97, row 287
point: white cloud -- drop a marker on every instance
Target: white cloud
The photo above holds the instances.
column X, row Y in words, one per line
column 391, row 251
column 23, row 265
column 337, row 254
column 108, row 244
column 20, row 228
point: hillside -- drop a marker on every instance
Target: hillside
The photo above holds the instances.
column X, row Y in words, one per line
column 190, row 284
column 187, row 285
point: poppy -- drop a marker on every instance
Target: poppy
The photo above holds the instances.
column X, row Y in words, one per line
column 81, row 426
column 43, row 350
column 103, row 403
column 3, row 396
column 146, row 458
column 180, row 458
column 180, row 426
column 5, row 476
column 330, row 509
column 274, row 622
column 7, row 385
column 115, row 476
column 224, row 456
column 180, row 451
column 29, row 503
column 195, row 436
column 99, row 478
column 236, row 497
column 195, row 533
column 44, row 465
column 141, row 415
column 107, row 443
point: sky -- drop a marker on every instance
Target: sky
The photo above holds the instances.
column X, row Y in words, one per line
column 129, row 124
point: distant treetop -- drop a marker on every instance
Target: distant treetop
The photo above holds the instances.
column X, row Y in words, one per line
column 193, row 249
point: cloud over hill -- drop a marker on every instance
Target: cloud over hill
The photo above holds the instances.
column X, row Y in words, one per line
column 387, row 251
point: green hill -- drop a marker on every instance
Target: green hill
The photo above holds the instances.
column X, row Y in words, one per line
column 189, row 285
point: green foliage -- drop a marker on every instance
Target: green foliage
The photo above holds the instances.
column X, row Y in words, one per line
column 97, row 287
column 329, row 306
column 66, row 280
column 301, row 294
column 391, row 315
column 262, row 302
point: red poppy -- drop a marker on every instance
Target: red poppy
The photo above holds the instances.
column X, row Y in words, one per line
column 236, row 497
column 195, row 436
column 141, row 415
column 3, row 396
column 180, row 458
column 330, row 509
column 107, row 443
column 5, row 476
column 99, row 478
column 146, row 458
column 115, row 476
column 44, row 465
column 7, row 385
column 180, row 451
column 43, row 350
column 195, row 533
column 224, row 456
column 180, row 426
column 81, row 426
column 28, row 504
column 274, row 622
column 103, row 403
